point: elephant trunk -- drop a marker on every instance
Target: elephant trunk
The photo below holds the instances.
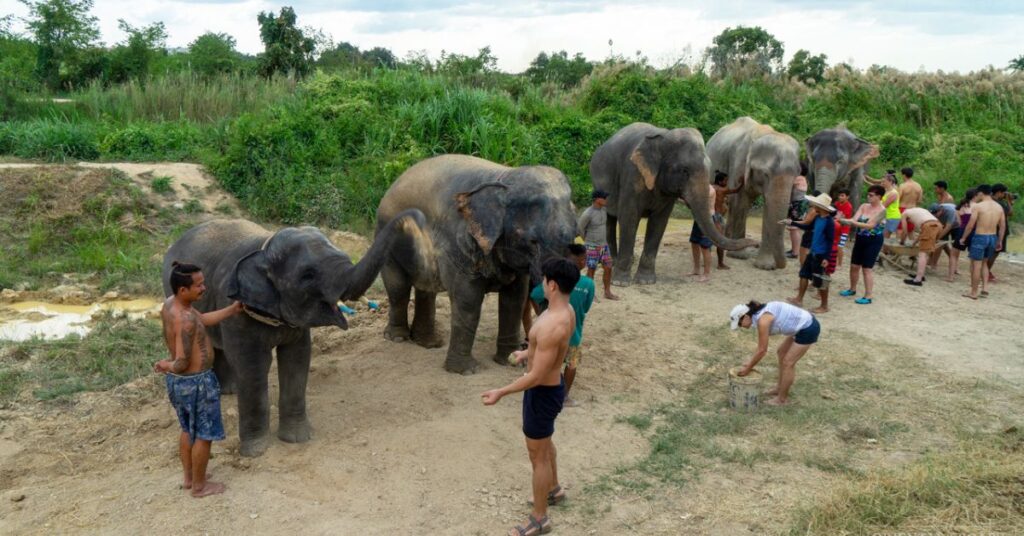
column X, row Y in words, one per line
column 824, row 179
column 355, row 280
column 697, row 197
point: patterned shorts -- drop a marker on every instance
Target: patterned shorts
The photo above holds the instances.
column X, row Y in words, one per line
column 573, row 357
column 196, row 400
column 598, row 255
column 843, row 237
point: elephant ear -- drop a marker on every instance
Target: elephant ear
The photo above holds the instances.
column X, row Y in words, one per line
column 483, row 208
column 647, row 159
column 250, row 284
column 863, row 153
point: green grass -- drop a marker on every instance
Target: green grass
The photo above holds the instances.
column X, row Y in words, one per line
column 117, row 351
column 162, row 185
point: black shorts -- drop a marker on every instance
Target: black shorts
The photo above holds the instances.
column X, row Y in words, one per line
column 866, row 249
column 808, row 335
column 966, row 244
column 697, row 237
column 811, row 267
column 796, row 210
column 805, row 240
column 541, row 405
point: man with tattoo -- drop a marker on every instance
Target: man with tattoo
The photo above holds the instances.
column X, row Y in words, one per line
column 191, row 384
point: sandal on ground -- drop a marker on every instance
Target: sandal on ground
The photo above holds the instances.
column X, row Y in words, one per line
column 533, row 526
column 848, row 292
column 555, row 497
column 863, row 301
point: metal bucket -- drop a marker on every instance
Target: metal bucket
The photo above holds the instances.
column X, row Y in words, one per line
column 744, row 391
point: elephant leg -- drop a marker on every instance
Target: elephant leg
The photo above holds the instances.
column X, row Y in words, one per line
column 776, row 201
column 511, row 300
column 292, row 373
column 225, row 373
column 736, row 225
column 466, row 300
column 656, row 224
column 628, row 224
column 398, row 285
column 424, row 325
column 613, row 241
column 252, row 357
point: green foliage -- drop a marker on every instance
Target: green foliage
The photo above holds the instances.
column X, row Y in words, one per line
column 161, row 185
column 1016, row 64
column 807, row 68
column 131, row 59
column 559, row 69
column 213, row 54
column 745, row 52
column 148, row 141
column 286, row 49
column 62, row 30
column 346, row 56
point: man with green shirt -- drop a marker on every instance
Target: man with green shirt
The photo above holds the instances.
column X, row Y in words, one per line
column 581, row 298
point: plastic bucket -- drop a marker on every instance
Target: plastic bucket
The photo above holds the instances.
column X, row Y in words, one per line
column 744, row 391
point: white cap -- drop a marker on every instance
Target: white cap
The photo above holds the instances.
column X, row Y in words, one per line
column 736, row 314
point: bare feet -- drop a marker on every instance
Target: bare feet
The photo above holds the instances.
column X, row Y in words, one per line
column 968, row 295
column 703, row 279
column 796, row 302
column 819, row 310
column 610, row 296
column 188, row 482
column 210, row 488
column 772, row 392
column 723, row 267
column 776, row 402
column 949, row 280
column 693, row 274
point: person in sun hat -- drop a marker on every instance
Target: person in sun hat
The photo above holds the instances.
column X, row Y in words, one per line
column 823, row 230
column 800, row 327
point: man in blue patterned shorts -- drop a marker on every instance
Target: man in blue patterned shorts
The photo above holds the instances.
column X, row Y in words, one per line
column 191, row 384
column 593, row 227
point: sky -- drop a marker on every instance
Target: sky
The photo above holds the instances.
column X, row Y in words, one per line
column 911, row 35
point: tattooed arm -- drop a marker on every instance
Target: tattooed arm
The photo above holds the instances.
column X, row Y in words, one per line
column 184, row 329
column 216, row 317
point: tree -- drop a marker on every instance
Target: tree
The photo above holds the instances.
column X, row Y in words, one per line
column 213, row 53
column 559, row 68
column 62, row 29
column 286, row 49
column 1017, row 64
column 743, row 51
column 461, row 65
column 132, row 58
column 348, row 56
column 807, row 68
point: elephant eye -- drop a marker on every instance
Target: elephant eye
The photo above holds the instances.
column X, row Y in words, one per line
column 309, row 275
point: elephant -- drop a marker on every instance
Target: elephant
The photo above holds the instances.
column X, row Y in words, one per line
column 767, row 162
column 488, row 228
column 645, row 169
column 289, row 282
column 837, row 159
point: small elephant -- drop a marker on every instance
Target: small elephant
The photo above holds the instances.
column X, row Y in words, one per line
column 768, row 162
column 289, row 281
column 645, row 169
column 488, row 227
column 837, row 158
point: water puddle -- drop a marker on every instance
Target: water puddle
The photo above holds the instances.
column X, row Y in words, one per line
column 22, row 321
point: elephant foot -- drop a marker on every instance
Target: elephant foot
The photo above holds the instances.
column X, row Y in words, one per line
column 621, row 281
column 397, row 333
column 297, row 430
column 461, row 365
column 645, row 278
column 768, row 263
column 253, row 447
column 428, row 339
column 501, row 356
column 740, row 254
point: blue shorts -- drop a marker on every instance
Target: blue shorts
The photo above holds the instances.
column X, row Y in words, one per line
column 541, row 405
column 196, row 399
column 598, row 255
column 808, row 335
column 697, row 237
column 983, row 246
column 891, row 226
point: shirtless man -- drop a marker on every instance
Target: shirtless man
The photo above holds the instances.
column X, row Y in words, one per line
column 191, row 384
column 700, row 244
column 544, row 389
column 722, row 189
column 928, row 228
column 988, row 225
column 942, row 194
column 910, row 191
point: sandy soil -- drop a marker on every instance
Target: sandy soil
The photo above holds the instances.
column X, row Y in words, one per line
column 402, row 446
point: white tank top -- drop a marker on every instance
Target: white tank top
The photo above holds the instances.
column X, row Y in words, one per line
column 786, row 319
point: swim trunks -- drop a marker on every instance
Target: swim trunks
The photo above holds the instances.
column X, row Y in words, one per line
column 697, row 237
column 982, row 246
column 598, row 255
column 196, row 399
column 541, row 405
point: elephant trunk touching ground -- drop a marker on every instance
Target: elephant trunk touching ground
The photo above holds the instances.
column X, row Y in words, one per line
column 696, row 196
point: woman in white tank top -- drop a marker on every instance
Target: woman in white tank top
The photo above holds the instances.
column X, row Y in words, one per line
column 800, row 327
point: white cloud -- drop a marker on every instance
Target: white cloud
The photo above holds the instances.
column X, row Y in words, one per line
column 944, row 35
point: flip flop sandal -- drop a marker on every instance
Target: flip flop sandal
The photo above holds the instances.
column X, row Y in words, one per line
column 533, row 523
column 863, row 301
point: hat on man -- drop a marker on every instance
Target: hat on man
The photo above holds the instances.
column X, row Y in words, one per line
column 823, row 201
column 934, row 208
column 736, row 314
column 599, row 194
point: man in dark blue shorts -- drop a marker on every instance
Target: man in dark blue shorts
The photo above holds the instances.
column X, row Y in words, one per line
column 544, row 389
column 822, row 231
column 191, row 384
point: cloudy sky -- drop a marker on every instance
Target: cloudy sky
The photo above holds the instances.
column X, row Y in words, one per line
column 950, row 35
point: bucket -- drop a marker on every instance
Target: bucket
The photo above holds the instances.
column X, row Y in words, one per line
column 744, row 391
column 825, row 280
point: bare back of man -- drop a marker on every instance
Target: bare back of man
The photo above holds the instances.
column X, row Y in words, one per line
column 989, row 215
column 910, row 194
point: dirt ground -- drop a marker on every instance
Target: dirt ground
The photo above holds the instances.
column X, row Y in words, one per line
column 401, row 446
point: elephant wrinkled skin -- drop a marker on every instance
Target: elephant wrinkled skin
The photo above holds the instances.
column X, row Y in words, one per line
column 768, row 162
column 292, row 280
column 645, row 169
column 837, row 159
column 488, row 227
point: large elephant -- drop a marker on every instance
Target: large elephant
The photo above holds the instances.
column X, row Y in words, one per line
column 289, row 281
column 488, row 226
column 645, row 169
column 768, row 162
column 837, row 159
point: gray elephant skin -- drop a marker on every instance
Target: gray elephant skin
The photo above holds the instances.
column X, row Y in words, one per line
column 645, row 169
column 837, row 159
column 768, row 162
column 291, row 280
column 488, row 226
